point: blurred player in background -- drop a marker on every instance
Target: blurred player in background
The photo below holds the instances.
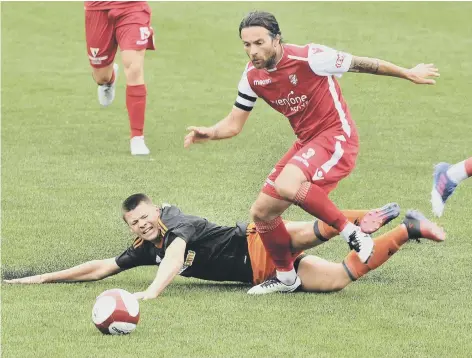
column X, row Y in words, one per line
column 191, row 246
column 446, row 178
column 300, row 83
column 109, row 24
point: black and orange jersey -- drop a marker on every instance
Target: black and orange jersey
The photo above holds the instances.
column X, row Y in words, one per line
column 213, row 252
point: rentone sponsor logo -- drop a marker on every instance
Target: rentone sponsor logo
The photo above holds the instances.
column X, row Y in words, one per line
column 295, row 103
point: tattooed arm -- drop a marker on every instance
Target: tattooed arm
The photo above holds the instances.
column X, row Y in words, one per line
column 419, row 74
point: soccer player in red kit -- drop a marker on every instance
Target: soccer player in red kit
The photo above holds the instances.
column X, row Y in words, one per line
column 300, row 83
column 109, row 24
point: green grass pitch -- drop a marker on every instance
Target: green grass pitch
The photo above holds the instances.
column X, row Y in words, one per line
column 66, row 168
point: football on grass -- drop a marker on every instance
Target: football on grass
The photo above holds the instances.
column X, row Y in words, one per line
column 116, row 312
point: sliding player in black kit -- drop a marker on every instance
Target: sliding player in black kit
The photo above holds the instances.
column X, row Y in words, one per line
column 191, row 246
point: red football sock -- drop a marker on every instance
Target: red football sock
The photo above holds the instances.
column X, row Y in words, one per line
column 324, row 232
column 136, row 105
column 468, row 167
column 315, row 201
column 276, row 240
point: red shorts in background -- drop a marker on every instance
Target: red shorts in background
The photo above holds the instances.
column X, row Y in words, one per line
column 324, row 160
column 127, row 27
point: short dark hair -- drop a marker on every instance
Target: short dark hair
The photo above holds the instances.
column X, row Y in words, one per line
column 134, row 200
column 262, row 19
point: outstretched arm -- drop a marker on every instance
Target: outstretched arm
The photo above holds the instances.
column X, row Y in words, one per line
column 228, row 127
column 88, row 271
column 233, row 123
column 168, row 269
column 420, row 74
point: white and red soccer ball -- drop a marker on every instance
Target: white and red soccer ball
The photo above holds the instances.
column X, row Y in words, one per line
column 116, row 312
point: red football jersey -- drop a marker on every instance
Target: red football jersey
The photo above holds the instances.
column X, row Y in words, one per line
column 108, row 5
column 303, row 88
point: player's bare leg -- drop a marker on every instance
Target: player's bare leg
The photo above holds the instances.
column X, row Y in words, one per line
column 318, row 275
column 446, row 177
column 133, row 65
column 306, row 235
column 266, row 212
column 292, row 185
column 106, row 78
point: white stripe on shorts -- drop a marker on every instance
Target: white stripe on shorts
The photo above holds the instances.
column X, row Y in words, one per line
column 338, row 153
column 270, row 182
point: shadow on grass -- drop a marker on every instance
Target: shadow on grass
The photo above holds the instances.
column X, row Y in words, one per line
column 9, row 273
column 212, row 286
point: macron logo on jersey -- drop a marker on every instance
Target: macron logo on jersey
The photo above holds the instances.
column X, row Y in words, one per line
column 262, row 82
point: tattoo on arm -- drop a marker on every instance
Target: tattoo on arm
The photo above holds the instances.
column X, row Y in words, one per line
column 364, row 65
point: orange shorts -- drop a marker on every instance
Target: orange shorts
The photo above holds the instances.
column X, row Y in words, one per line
column 262, row 265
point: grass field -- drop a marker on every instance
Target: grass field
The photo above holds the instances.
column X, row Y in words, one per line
column 66, row 168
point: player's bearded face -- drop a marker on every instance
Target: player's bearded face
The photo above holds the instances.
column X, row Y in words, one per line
column 260, row 46
column 143, row 221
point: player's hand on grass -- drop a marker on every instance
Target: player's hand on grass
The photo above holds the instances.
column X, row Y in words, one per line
column 198, row 135
column 26, row 280
column 421, row 74
column 145, row 295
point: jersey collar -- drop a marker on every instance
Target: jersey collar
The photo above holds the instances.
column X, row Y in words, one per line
column 162, row 230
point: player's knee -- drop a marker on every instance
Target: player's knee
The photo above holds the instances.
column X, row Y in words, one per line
column 286, row 191
column 102, row 75
column 134, row 72
column 259, row 213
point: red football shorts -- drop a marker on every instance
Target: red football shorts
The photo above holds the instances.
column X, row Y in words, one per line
column 324, row 160
column 105, row 30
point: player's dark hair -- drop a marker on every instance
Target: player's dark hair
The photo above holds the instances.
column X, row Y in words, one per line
column 134, row 200
column 262, row 19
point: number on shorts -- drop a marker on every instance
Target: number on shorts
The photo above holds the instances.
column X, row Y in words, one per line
column 310, row 152
column 145, row 33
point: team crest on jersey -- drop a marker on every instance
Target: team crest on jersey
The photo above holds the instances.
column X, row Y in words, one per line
column 293, row 79
column 94, row 51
